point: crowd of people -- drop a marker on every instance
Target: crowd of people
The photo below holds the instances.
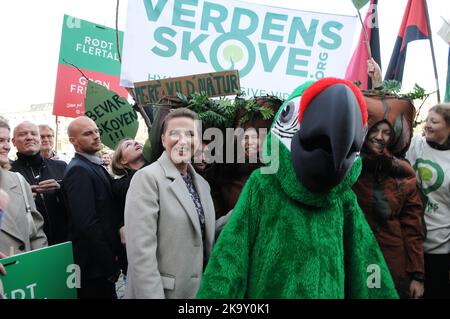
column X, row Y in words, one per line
column 156, row 223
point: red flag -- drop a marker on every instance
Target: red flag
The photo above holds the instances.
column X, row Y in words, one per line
column 357, row 68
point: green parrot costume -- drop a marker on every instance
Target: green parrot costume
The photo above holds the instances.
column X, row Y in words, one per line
column 299, row 232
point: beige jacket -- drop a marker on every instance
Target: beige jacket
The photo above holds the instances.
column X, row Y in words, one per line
column 163, row 235
column 18, row 233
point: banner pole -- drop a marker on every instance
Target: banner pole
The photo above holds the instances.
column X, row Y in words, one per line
column 56, row 134
column 365, row 34
column 117, row 32
column 432, row 52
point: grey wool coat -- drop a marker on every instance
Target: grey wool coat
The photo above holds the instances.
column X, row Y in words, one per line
column 164, row 244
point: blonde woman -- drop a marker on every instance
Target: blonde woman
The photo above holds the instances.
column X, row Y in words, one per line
column 429, row 155
column 126, row 160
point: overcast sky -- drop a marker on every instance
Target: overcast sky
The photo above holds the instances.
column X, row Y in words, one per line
column 31, row 33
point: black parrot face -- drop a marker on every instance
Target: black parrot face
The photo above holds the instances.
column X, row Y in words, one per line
column 331, row 136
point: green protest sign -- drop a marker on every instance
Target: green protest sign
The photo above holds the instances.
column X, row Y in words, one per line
column 90, row 46
column 47, row 273
column 115, row 117
column 359, row 3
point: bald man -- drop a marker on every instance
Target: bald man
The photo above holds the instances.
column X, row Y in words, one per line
column 45, row 176
column 93, row 226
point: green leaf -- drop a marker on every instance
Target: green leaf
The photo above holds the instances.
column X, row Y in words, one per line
column 267, row 113
column 393, row 86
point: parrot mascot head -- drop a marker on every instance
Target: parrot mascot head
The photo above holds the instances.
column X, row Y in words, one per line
column 319, row 132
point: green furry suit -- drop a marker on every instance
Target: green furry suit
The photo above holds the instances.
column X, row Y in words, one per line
column 285, row 241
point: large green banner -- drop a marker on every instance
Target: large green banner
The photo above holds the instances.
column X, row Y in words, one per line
column 47, row 273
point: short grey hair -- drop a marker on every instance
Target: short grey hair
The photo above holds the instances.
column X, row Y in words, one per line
column 43, row 126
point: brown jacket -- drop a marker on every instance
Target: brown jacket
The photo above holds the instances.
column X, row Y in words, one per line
column 388, row 195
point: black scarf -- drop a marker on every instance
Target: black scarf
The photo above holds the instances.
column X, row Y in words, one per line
column 439, row 147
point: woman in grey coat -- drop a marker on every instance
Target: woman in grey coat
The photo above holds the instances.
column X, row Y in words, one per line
column 169, row 218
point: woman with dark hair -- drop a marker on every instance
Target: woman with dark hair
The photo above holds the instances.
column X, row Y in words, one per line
column 430, row 157
column 387, row 192
column 252, row 127
column 388, row 195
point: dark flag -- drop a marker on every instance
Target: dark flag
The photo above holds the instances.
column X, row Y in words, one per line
column 357, row 67
column 415, row 26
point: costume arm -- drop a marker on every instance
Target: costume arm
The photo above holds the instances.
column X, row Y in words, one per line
column 227, row 271
column 366, row 272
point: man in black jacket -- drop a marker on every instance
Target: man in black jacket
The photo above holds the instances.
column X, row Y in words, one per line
column 93, row 228
column 44, row 175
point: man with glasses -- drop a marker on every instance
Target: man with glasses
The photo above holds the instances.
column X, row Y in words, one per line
column 47, row 141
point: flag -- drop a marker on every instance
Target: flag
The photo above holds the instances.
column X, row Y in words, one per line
column 447, row 87
column 357, row 67
column 359, row 3
column 414, row 27
column 444, row 31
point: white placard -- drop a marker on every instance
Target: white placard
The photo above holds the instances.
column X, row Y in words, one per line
column 274, row 49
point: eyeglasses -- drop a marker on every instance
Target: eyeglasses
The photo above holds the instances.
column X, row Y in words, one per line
column 46, row 136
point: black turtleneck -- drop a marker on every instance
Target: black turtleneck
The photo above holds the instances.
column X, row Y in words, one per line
column 32, row 160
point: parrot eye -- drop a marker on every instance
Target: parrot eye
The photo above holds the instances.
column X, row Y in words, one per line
column 288, row 113
column 286, row 124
